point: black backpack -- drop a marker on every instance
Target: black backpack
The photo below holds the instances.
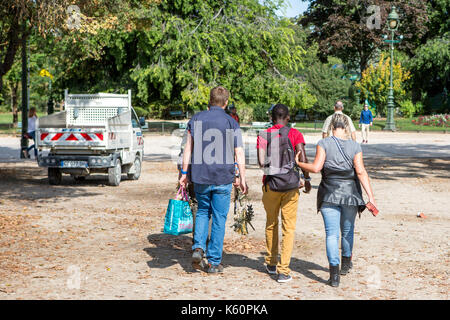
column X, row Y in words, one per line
column 280, row 166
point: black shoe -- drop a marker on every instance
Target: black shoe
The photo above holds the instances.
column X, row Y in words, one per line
column 346, row 265
column 271, row 269
column 214, row 269
column 282, row 278
column 197, row 256
column 334, row 276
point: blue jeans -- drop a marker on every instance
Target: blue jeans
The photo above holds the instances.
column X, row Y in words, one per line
column 338, row 220
column 213, row 203
column 32, row 134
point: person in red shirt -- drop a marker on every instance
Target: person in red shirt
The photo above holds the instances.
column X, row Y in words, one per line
column 286, row 201
column 233, row 113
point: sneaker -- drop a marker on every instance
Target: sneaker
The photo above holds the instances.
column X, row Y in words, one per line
column 282, row 278
column 271, row 269
column 214, row 269
column 200, row 266
column 197, row 256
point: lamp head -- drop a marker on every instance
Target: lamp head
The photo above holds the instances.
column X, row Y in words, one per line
column 393, row 20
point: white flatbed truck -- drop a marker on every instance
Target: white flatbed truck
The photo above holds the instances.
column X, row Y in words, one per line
column 96, row 133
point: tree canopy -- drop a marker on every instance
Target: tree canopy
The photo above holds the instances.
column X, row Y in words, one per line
column 177, row 50
column 171, row 53
column 345, row 28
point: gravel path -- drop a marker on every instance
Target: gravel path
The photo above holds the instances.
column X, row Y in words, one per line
column 91, row 241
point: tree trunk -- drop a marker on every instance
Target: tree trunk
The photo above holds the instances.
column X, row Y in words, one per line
column 13, row 40
column 14, row 103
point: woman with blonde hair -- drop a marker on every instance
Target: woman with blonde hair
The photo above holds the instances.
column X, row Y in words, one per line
column 32, row 118
column 339, row 197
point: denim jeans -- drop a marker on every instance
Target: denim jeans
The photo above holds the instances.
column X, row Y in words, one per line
column 213, row 203
column 338, row 220
column 32, row 134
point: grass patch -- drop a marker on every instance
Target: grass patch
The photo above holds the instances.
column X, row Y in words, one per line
column 6, row 121
column 6, row 118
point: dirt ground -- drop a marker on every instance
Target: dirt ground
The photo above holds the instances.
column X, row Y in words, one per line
column 91, row 241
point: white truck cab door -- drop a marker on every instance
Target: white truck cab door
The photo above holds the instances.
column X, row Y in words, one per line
column 138, row 139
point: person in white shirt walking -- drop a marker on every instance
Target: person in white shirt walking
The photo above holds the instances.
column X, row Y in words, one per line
column 326, row 129
column 32, row 118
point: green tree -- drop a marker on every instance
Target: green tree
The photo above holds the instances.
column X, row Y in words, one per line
column 328, row 84
column 375, row 82
column 340, row 28
column 174, row 52
column 21, row 19
column 429, row 66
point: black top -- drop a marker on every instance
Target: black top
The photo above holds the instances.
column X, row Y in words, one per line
column 340, row 187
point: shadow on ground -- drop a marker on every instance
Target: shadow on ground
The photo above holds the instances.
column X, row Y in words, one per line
column 399, row 168
column 24, row 182
column 170, row 250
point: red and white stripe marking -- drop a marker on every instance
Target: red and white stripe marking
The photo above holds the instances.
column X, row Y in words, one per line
column 71, row 136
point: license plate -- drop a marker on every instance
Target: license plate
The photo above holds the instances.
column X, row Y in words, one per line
column 74, row 164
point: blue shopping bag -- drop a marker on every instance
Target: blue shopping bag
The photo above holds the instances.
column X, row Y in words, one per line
column 179, row 219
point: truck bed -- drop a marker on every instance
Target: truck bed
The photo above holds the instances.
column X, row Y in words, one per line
column 90, row 122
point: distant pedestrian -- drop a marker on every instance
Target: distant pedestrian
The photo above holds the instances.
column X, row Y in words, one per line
column 277, row 147
column 339, row 197
column 233, row 113
column 213, row 145
column 32, row 118
column 365, row 122
column 326, row 129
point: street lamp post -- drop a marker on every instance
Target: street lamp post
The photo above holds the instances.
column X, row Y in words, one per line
column 393, row 22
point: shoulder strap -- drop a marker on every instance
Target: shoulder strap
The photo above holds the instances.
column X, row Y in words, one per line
column 284, row 132
column 346, row 158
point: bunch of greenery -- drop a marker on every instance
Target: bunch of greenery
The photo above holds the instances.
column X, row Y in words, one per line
column 410, row 109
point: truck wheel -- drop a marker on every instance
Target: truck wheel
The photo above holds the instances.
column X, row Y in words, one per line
column 137, row 168
column 79, row 178
column 115, row 174
column 54, row 176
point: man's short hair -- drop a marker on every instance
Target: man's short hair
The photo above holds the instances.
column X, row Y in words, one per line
column 280, row 111
column 339, row 105
column 218, row 96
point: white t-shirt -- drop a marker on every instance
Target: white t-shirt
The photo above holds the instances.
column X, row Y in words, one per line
column 327, row 124
column 32, row 124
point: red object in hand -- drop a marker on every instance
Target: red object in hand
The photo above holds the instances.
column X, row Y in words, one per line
column 372, row 209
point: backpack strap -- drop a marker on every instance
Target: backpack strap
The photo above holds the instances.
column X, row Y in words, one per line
column 344, row 155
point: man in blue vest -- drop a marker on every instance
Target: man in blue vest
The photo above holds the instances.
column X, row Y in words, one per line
column 365, row 121
column 214, row 145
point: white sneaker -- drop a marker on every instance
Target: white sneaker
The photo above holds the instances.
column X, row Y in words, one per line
column 282, row 278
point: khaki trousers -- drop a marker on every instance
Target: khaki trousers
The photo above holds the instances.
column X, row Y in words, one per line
column 288, row 203
column 365, row 131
